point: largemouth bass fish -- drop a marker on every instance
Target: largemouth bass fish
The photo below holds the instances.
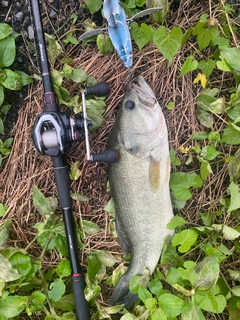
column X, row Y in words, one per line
column 139, row 183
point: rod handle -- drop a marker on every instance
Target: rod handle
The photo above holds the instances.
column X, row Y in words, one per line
column 81, row 304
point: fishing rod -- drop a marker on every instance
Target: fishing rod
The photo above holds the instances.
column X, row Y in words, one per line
column 52, row 133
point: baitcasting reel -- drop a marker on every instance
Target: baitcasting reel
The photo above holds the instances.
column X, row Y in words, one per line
column 53, row 132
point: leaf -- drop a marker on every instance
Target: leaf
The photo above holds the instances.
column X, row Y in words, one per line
column 235, row 197
column 158, row 314
column 171, row 305
column 4, row 231
column 80, row 197
column 45, row 206
column 209, row 153
column 1, row 94
column 174, row 159
column 207, row 67
column 236, row 291
column 137, row 281
column 106, row 258
column 185, row 240
column 202, row 78
column 180, row 182
column 78, row 75
column 3, row 210
column 64, row 268
column 57, row 290
column 234, row 167
column 205, row 33
column 144, row 294
column 168, row 43
column 93, row 5
column 155, row 286
column 12, row 80
column 205, row 168
column 228, row 232
column 205, row 274
column 65, row 303
column 210, row 302
column 234, row 274
column 25, row 79
column 7, row 272
column 75, row 172
column 189, row 65
column 21, row 262
column 104, row 43
column 7, row 52
column 192, row 312
column 94, row 266
column 90, row 227
column 5, row 30
column 205, row 118
column 12, row 306
column 231, row 134
column 54, row 49
column 175, row 222
column 231, row 55
column 141, row 35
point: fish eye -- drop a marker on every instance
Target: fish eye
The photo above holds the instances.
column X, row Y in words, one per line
column 129, row 105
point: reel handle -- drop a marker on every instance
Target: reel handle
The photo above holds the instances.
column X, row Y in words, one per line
column 100, row 89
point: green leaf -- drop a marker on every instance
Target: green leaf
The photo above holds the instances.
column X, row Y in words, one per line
column 4, row 231
column 90, row 227
column 174, row 159
column 205, row 118
column 207, row 67
column 168, row 43
column 64, row 268
column 205, row 168
column 80, row 197
column 5, row 108
column 141, row 35
column 65, row 303
column 106, row 258
column 189, row 65
column 3, row 210
column 93, row 5
column 75, row 172
column 45, row 206
column 137, row 281
column 205, row 32
column 205, row 274
column 94, row 266
column 7, row 52
column 8, row 142
column 1, row 127
column 236, row 291
column 12, row 80
column 144, row 294
column 7, row 272
column 228, row 232
column 12, row 306
column 171, row 304
column 231, row 134
column 25, row 79
column 231, row 55
column 201, row 135
column 235, row 197
column 209, row 152
column 5, row 30
column 57, row 290
column 21, row 262
column 104, row 43
column 234, row 167
column 158, row 314
column 180, row 182
column 155, row 286
column 1, row 94
column 185, row 240
column 54, row 49
column 78, row 75
column 192, row 312
column 210, row 302
column 175, row 222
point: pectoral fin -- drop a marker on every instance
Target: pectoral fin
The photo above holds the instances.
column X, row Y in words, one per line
column 154, row 174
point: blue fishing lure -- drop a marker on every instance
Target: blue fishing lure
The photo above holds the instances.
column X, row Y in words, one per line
column 118, row 29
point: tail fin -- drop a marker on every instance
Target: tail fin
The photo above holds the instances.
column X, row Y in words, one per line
column 122, row 294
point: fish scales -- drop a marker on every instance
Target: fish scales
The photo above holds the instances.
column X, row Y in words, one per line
column 139, row 183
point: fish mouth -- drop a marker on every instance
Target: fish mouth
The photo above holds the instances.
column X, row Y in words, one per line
column 143, row 91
